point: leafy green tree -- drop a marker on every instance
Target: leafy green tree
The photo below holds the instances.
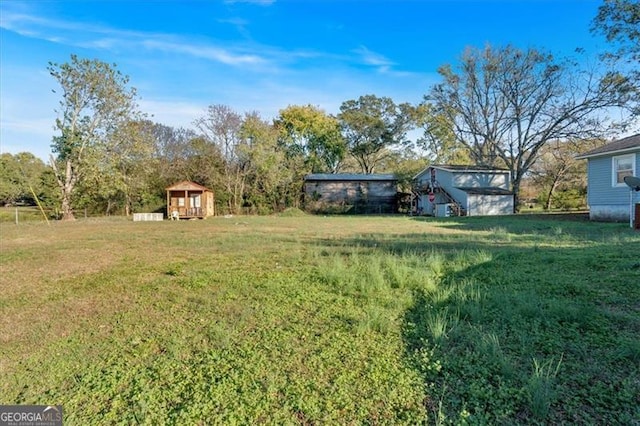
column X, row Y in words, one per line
column 309, row 133
column 372, row 127
column 438, row 139
column 129, row 156
column 619, row 22
column 172, row 149
column 95, row 103
column 273, row 184
column 405, row 164
column 505, row 104
column 11, row 188
column 21, row 176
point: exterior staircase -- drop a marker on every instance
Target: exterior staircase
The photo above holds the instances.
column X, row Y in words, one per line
column 436, row 188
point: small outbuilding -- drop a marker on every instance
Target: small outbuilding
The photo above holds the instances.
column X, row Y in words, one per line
column 189, row 200
column 351, row 193
column 461, row 190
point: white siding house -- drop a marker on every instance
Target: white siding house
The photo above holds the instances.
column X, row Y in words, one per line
column 463, row 190
column 609, row 198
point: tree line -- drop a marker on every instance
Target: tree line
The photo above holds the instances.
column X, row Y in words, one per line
column 523, row 110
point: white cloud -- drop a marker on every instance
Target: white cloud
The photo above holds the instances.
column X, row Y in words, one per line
column 105, row 38
column 258, row 2
column 206, row 52
column 372, row 58
column 382, row 64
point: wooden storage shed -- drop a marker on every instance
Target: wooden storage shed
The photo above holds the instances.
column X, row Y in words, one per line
column 188, row 200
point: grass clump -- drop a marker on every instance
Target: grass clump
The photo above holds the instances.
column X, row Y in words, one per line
column 292, row 212
column 541, row 386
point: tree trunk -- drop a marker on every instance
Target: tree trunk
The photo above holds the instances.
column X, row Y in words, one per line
column 552, row 189
column 67, row 210
column 66, row 184
column 128, row 204
column 516, row 194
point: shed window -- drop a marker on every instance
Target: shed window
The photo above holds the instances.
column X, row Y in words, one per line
column 623, row 165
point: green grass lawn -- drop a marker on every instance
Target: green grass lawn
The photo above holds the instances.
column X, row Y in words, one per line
column 323, row 320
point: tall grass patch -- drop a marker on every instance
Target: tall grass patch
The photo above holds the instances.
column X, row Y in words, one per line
column 540, row 335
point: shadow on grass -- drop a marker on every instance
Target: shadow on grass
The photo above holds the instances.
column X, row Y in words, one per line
column 541, row 328
column 536, row 335
column 574, row 224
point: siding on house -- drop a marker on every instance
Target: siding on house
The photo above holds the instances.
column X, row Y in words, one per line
column 482, row 180
column 607, row 201
column 489, row 205
column 600, row 189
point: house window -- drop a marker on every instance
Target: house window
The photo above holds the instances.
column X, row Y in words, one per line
column 623, row 165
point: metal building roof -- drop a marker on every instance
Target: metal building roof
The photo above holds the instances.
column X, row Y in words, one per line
column 350, row 177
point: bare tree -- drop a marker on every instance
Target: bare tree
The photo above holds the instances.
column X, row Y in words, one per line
column 222, row 127
column 505, row 104
column 556, row 168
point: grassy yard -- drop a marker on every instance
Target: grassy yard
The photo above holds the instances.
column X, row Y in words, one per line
column 323, row 320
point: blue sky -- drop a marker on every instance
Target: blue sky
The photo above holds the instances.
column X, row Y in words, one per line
column 259, row 55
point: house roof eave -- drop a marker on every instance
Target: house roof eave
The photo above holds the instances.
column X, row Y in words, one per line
column 628, row 144
column 187, row 185
column 462, row 169
column 608, row 153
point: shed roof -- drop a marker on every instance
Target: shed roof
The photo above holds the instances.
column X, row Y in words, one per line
column 630, row 143
column 468, row 168
column 486, row 191
column 187, row 185
column 349, row 177
column 463, row 168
